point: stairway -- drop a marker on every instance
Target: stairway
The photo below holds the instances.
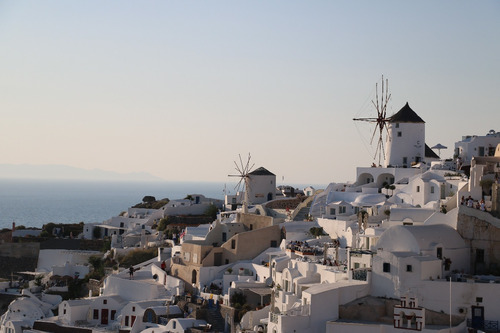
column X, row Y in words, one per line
column 303, row 212
column 214, row 318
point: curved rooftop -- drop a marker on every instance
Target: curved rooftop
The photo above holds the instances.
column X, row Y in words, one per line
column 401, row 238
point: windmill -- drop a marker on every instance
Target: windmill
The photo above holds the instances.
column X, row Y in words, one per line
column 381, row 120
column 244, row 175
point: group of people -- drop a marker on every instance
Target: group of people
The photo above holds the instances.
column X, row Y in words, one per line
column 469, row 202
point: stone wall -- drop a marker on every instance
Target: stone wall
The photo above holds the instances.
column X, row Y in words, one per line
column 481, row 231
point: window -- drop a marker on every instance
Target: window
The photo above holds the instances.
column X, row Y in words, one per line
column 233, row 243
column 133, row 309
column 174, row 325
column 332, row 211
column 64, row 312
column 405, row 160
column 96, row 314
column 397, row 125
column 274, row 243
column 356, row 210
column 386, row 267
column 409, row 268
column 187, row 256
column 342, row 209
column 418, row 188
column 113, row 314
column 195, row 258
column 400, row 134
column 356, row 265
column 479, row 256
column 432, row 189
column 439, row 252
column 104, row 301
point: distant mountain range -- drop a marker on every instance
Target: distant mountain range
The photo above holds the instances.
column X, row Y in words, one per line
column 64, row 172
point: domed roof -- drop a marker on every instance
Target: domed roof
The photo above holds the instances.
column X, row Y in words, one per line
column 370, row 199
column 402, row 238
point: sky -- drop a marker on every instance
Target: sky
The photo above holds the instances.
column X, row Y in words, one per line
column 180, row 89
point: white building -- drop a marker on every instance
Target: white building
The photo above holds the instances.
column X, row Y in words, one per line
column 476, row 145
column 261, row 188
column 405, row 140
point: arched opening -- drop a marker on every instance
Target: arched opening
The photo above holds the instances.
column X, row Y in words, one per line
column 365, row 178
column 193, row 276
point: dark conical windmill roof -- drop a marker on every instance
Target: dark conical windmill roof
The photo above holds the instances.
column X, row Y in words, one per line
column 429, row 153
column 406, row 115
column 261, row 172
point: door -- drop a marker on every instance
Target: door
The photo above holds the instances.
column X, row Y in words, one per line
column 104, row 316
column 217, row 259
column 477, row 317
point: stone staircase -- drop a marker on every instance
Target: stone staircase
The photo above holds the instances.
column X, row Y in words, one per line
column 214, row 318
column 303, row 212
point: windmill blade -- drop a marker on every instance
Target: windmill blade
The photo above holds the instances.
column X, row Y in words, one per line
column 249, row 169
column 371, row 120
column 237, row 168
column 238, row 185
column 242, row 170
column 248, row 162
column 373, row 135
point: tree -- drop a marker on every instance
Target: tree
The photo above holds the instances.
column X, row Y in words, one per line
column 148, row 199
column 212, row 211
column 162, row 225
column 96, row 232
column 317, row 231
column 98, row 268
column 392, row 188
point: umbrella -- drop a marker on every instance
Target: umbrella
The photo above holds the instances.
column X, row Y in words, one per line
column 439, row 147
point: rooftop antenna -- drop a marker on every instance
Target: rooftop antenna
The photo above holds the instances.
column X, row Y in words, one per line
column 243, row 171
column 381, row 120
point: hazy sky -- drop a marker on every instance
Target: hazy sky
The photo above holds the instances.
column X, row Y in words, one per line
column 180, row 88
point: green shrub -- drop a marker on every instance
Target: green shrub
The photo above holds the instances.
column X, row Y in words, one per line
column 137, row 256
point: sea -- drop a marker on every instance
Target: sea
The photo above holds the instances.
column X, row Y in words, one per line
column 33, row 203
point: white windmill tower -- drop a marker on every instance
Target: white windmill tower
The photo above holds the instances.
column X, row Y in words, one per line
column 244, row 175
column 381, row 120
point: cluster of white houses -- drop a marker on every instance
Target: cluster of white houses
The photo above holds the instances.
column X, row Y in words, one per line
column 408, row 257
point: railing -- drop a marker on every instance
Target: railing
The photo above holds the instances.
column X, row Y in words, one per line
column 485, row 325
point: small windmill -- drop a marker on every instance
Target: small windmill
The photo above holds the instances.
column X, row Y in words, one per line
column 381, row 120
column 244, row 175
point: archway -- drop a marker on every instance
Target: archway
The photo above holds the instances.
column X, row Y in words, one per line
column 193, row 276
